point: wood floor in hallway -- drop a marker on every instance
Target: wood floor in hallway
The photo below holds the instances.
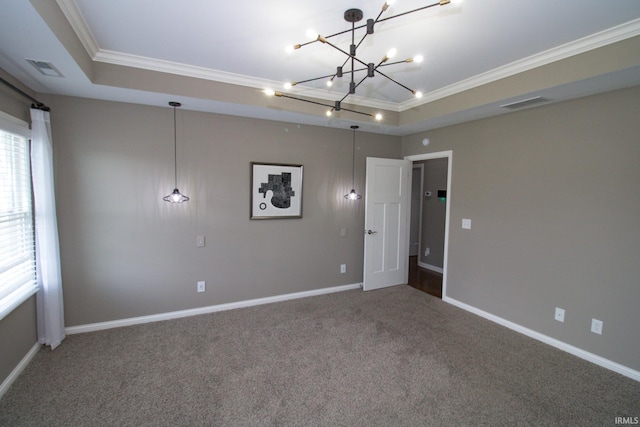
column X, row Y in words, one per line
column 423, row 279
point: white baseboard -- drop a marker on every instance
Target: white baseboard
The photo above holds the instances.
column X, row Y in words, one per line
column 18, row 369
column 204, row 310
column 593, row 358
column 430, row 267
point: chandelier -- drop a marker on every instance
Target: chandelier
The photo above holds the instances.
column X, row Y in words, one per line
column 355, row 65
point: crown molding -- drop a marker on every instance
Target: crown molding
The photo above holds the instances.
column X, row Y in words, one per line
column 585, row 44
column 70, row 10
column 153, row 64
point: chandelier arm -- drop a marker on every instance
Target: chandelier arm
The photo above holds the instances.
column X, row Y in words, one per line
column 344, row 97
column 282, row 95
column 330, row 36
column 376, row 21
column 410, row 11
column 334, row 75
column 349, row 93
column 343, row 64
column 295, row 98
column 346, row 53
column 315, row 78
column 391, row 63
column 306, row 43
column 361, row 40
column 346, row 31
column 356, row 86
column 396, row 82
column 357, row 112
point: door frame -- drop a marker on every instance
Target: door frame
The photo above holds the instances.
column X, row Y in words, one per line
column 421, row 189
column 449, row 156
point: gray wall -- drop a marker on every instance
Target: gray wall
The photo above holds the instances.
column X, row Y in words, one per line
column 551, row 192
column 553, row 198
column 126, row 253
column 433, row 212
column 18, row 329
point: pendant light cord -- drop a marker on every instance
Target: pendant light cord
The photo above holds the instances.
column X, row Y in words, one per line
column 175, row 150
column 353, row 165
column 353, row 157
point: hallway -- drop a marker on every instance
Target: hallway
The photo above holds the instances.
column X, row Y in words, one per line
column 425, row 280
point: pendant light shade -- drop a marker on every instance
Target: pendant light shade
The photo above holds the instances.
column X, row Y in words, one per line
column 352, row 194
column 175, row 196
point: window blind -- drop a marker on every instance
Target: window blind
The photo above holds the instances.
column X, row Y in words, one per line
column 17, row 241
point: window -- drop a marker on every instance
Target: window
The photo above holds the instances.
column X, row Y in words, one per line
column 17, row 241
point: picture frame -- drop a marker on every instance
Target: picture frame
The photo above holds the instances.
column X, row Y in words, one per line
column 276, row 191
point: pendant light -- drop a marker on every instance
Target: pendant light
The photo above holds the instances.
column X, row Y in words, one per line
column 352, row 194
column 175, row 196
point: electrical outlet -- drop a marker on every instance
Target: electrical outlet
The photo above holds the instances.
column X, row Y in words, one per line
column 466, row 224
column 343, row 268
column 343, row 232
column 596, row 326
column 201, row 286
column 427, row 251
column 559, row 316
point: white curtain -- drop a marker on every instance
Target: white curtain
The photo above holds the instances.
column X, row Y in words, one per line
column 49, row 297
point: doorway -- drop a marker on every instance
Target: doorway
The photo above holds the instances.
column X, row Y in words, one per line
column 417, row 180
column 429, row 235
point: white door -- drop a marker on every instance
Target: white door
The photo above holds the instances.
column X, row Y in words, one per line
column 386, row 221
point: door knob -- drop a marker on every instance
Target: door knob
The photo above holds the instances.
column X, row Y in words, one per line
column 371, row 232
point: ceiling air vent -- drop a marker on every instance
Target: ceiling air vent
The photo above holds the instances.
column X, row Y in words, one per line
column 524, row 103
column 46, row 68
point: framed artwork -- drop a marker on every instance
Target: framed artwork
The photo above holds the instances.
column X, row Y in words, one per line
column 276, row 191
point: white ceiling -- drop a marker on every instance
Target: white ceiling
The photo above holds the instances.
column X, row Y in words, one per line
column 465, row 44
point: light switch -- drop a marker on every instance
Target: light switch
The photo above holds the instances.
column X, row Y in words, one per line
column 466, row 224
column 200, row 241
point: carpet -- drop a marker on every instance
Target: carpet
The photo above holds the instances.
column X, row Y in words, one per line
column 392, row 357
